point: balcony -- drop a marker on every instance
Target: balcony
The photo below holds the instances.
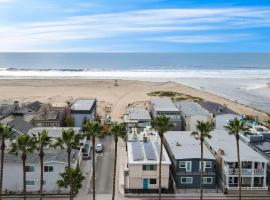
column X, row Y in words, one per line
column 234, row 171
column 258, row 171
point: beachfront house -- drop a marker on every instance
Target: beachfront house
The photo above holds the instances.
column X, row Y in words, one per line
column 254, row 165
column 55, row 162
column 82, row 110
column 184, row 152
column 191, row 113
column 258, row 138
column 141, row 171
column 136, row 119
column 165, row 106
column 221, row 114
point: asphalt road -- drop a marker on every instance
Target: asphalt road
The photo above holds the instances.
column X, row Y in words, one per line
column 104, row 167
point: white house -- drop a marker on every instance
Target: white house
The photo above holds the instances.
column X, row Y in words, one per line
column 254, row 165
column 142, row 167
column 191, row 113
column 55, row 162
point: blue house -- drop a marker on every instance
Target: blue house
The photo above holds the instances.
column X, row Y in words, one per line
column 184, row 152
column 82, row 110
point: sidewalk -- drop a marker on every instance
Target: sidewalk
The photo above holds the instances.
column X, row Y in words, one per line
column 86, row 168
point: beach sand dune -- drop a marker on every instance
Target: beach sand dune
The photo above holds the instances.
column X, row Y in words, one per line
column 118, row 97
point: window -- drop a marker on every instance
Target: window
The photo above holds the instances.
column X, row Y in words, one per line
column 186, row 164
column 30, row 183
column 29, row 168
column 153, row 181
column 48, row 168
column 207, row 180
column 186, row 180
column 149, row 167
column 208, row 164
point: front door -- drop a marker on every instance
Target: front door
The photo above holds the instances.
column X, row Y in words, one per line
column 145, row 183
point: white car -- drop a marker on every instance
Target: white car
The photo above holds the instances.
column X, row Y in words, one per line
column 99, row 148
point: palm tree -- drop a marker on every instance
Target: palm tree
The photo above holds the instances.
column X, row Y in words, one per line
column 161, row 124
column 117, row 130
column 235, row 127
column 92, row 130
column 42, row 140
column 203, row 131
column 69, row 140
column 23, row 145
column 76, row 179
column 5, row 133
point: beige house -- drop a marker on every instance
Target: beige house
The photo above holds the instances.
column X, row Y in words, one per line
column 142, row 169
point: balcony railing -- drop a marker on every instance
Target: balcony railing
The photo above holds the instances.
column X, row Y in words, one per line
column 233, row 171
column 258, row 171
column 247, row 171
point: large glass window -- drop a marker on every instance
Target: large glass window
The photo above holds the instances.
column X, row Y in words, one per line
column 48, row 168
column 149, row 167
column 153, row 181
column 207, row 180
column 186, row 164
column 29, row 183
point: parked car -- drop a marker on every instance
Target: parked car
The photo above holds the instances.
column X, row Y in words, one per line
column 99, row 148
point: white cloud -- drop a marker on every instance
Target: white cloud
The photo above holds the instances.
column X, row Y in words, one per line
column 158, row 23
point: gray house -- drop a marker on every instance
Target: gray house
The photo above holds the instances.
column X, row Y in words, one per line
column 82, row 110
column 184, row 152
column 165, row 106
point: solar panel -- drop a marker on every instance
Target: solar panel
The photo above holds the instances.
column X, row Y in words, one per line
column 137, row 151
column 149, row 151
column 158, row 149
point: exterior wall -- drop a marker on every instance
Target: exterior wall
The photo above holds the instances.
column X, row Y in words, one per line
column 13, row 177
column 179, row 173
column 79, row 117
column 137, row 174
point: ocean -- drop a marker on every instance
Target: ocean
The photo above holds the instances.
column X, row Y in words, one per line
column 242, row 77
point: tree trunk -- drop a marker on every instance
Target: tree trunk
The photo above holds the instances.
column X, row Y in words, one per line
column 41, row 156
column 159, row 170
column 94, row 168
column 202, row 168
column 24, row 176
column 114, row 169
column 69, row 173
column 239, row 167
column 3, row 146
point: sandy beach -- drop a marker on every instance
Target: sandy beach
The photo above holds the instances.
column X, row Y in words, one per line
column 57, row 92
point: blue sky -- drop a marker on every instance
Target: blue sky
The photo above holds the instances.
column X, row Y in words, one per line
column 135, row 25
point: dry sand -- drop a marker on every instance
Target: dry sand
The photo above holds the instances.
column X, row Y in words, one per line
column 58, row 92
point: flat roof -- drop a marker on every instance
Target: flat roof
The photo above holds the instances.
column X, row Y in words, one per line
column 83, row 104
column 184, row 146
column 140, row 149
column 137, row 113
column 50, row 155
column 190, row 108
column 215, row 108
column 52, row 131
column 163, row 104
column 222, row 140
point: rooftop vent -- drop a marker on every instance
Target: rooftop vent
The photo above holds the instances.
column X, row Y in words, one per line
column 178, row 144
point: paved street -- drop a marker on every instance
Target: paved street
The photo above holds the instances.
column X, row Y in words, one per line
column 104, row 167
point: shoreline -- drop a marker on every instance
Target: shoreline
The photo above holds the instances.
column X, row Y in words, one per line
column 58, row 91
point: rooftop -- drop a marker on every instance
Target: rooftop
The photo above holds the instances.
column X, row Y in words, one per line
column 215, row 108
column 184, row 146
column 190, row 108
column 137, row 113
column 52, row 131
column 20, row 125
column 163, row 104
column 83, row 104
column 223, row 141
column 50, row 155
column 140, row 152
column 263, row 146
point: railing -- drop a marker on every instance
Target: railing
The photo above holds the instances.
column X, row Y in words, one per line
column 258, row 171
column 233, row 171
column 248, row 188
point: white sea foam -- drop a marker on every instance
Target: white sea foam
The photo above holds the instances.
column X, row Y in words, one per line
column 134, row 74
